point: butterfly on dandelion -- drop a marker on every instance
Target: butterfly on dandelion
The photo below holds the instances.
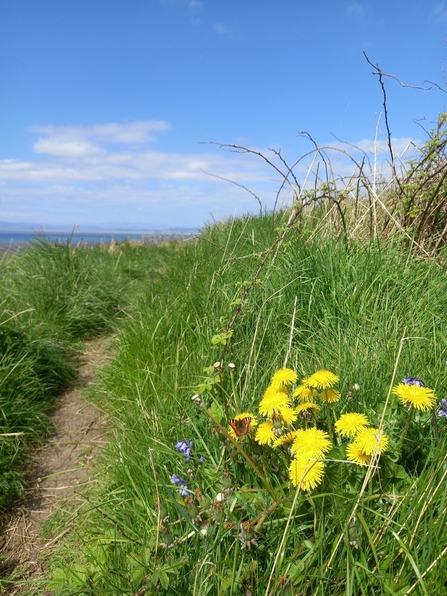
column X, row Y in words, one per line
column 240, row 426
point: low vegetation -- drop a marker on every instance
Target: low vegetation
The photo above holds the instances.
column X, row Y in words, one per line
column 53, row 298
column 278, row 421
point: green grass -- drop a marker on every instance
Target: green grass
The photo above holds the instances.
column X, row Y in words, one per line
column 54, row 297
column 320, row 304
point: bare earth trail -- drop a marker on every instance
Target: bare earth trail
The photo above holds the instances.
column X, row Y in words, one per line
column 63, row 467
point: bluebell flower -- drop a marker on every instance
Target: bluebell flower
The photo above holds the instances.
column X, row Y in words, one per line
column 443, row 408
column 414, row 381
column 185, row 448
column 184, row 489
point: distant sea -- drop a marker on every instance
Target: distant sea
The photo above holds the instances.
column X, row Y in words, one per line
column 12, row 239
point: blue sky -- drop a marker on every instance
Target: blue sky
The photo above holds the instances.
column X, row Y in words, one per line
column 107, row 106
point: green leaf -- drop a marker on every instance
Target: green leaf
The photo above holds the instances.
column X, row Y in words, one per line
column 221, row 338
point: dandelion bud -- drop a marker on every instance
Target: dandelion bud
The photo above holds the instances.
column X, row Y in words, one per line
column 204, row 501
column 247, row 536
column 168, row 538
column 191, row 506
column 285, row 586
column 246, row 530
column 226, row 479
column 218, row 511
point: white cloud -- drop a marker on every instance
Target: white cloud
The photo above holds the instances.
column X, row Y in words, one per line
column 108, row 173
column 359, row 12
column 354, row 10
column 65, row 148
column 71, row 154
column 142, row 131
column 439, row 13
column 223, row 31
column 195, row 8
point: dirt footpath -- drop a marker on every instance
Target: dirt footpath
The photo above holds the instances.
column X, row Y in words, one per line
column 63, row 467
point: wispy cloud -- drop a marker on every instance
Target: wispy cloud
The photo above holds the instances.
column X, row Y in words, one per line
column 116, row 151
column 112, row 172
column 138, row 132
column 222, row 30
column 358, row 12
column 85, row 141
column 439, row 14
column 195, row 8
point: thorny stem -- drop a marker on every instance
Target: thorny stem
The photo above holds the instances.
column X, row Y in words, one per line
column 407, row 425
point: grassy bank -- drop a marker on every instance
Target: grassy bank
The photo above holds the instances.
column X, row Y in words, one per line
column 53, row 298
column 186, row 506
column 278, row 420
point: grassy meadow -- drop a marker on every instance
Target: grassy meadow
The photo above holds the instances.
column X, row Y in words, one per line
column 231, row 465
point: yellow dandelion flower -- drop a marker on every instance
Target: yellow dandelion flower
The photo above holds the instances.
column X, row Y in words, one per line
column 421, row 398
column 355, row 453
column 330, row 396
column 283, row 376
column 283, row 439
column 322, row 379
column 307, row 406
column 306, row 473
column 264, row 434
column 273, row 401
column 348, row 425
column 241, row 424
column 372, row 441
column 312, row 442
column 304, row 393
column 288, row 415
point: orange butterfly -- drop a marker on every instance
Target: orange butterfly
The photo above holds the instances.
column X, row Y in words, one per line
column 240, row 426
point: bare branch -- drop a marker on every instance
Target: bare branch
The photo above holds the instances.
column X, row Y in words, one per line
column 391, row 76
column 380, row 74
column 436, row 84
column 236, row 184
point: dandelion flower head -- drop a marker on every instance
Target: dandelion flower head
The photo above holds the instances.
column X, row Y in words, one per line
column 307, row 406
column 372, row 440
column 240, row 417
column 322, row 379
column 355, row 453
column 421, row 398
column 348, row 425
column 330, row 396
column 273, row 401
column 283, row 376
column 264, row 434
column 284, row 439
column 288, row 415
column 304, row 393
column 306, row 473
column 311, row 442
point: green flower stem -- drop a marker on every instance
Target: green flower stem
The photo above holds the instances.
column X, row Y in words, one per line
column 233, row 388
column 404, row 432
column 245, row 455
column 329, row 423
